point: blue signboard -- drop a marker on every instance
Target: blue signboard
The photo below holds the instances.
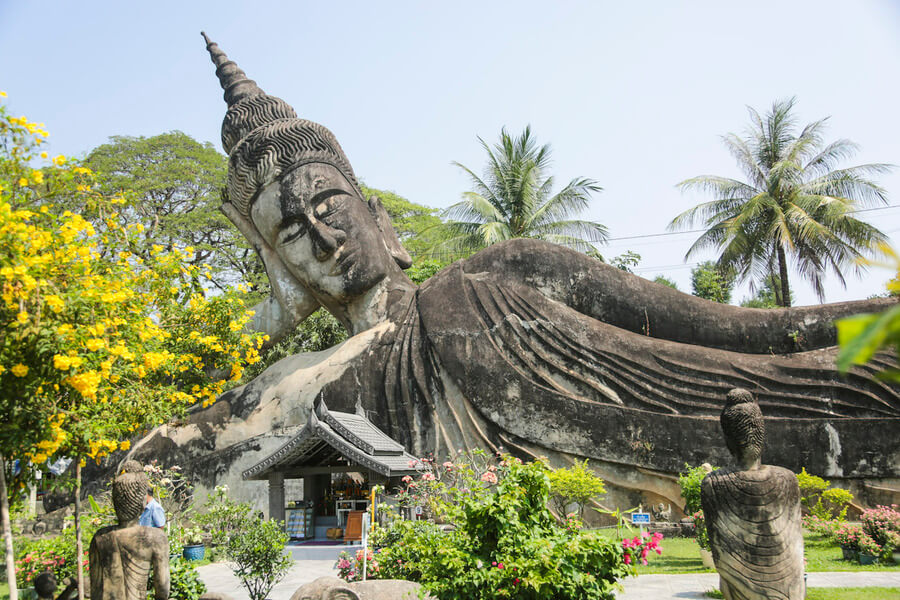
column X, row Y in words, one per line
column 640, row 518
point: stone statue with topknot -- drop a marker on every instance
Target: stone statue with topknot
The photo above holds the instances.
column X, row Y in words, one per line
column 753, row 513
column 122, row 555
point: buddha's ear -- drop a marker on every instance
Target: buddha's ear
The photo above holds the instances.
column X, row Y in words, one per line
column 388, row 234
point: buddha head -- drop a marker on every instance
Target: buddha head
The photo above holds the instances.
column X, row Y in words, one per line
column 129, row 492
column 743, row 427
column 291, row 179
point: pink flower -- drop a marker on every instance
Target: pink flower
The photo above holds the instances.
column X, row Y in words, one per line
column 412, row 464
column 489, row 477
column 428, row 477
column 500, row 565
column 448, row 465
column 627, row 559
column 406, row 479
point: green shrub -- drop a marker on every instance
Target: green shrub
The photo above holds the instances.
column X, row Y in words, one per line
column 222, row 517
column 820, row 500
column 574, row 485
column 185, row 581
column 507, row 545
column 689, row 480
column 257, row 556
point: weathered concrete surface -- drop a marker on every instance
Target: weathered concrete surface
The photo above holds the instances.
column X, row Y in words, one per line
column 525, row 345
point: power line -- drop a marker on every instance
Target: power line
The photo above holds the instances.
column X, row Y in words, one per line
column 455, row 255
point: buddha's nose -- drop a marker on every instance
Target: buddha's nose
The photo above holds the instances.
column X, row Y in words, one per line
column 325, row 239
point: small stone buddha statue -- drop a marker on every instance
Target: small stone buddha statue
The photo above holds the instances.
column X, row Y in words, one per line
column 753, row 513
column 121, row 555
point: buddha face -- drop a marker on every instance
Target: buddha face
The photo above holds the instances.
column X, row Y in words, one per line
column 323, row 232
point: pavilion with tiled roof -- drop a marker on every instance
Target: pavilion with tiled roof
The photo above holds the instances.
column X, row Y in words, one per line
column 330, row 442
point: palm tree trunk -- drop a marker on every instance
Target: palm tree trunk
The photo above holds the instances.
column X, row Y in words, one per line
column 79, row 546
column 7, row 532
column 783, row 273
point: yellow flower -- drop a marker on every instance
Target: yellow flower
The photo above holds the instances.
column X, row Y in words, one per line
column 23, row 182
column 2, row 94
column 2, row 368
column 61, row 362
column 55, row 303
column 59, row 160
column 64, row 329
column 37, row 176
column 124, row 445
column 19, row 370
column 22, row 317
column 44, row 154
column 95, row 344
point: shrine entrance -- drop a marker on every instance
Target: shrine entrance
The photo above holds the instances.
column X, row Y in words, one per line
column 339, row 456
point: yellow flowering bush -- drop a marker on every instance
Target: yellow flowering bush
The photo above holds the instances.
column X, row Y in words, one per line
column 98, row 341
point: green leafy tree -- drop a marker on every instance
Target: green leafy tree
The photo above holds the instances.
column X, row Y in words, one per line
column 172, row 184
column 710, row 282
column 766, row 296
column 574, row 485
column 418, row 227
column 663, row 280
column 257, row 556
column 796, row 204
column 96, row 342
column 513, row 198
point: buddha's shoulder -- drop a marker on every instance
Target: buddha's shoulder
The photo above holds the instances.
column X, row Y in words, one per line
column 523, row 253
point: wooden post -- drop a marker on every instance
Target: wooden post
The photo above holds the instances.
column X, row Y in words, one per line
column 276, row 496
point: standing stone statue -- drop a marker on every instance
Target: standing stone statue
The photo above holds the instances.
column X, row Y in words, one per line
column 753, row 513
column 121, row 555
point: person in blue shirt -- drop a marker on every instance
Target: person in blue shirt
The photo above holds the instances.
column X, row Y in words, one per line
column 153, row 515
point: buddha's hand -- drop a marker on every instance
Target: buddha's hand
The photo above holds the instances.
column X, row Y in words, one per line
column 292, row 297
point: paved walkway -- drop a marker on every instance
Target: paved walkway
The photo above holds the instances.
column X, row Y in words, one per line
column 219, row 578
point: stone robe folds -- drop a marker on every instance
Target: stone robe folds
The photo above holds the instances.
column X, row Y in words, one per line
column 545, row 351
column 754, row 525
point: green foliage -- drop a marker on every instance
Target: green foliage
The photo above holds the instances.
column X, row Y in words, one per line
column 663, row 280
column 861, row 336
column 222, row 517
column 513, row 199
column 257, row 556
column 507, row 545
column 627, row 261
column 317, row 332
column 574, row 485
column 796, row 204
column 820, row 500
column 423, row 269
column 418, row 227
column 185, row 582
column 710, row 282
column 58, row 553
column 767, row 296
column 171, row 184
column 689, row 480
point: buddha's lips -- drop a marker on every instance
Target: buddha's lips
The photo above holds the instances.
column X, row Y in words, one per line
column 344, row 261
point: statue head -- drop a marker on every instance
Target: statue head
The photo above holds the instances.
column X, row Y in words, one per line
column 743, row 427
column 291, row 178
column 129, row 492
column 45, row 585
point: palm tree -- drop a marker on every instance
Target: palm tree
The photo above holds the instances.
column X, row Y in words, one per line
column 796, row 204
column 514, row 199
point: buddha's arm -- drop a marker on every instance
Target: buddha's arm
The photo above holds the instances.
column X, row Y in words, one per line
column 160, row 562
column 642, row 306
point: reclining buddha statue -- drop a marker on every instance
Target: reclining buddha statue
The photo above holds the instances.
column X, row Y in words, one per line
column 525, row 345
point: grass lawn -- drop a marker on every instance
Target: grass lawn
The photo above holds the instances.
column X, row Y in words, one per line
column 682, row 555
column 4, row 591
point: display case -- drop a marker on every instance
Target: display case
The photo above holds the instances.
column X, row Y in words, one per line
column 300, row 523
column 342, row 507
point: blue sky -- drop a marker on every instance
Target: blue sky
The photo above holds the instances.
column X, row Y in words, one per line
column 635, row 95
